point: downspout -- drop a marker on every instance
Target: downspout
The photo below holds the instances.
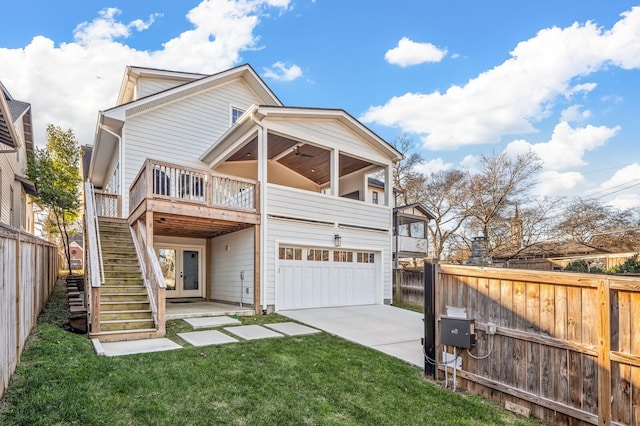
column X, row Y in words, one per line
column 263, row 213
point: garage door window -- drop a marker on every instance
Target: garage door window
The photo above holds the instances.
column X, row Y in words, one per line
column 365, row 257
column 342, row 256
column 290, row 253
column 318, row 255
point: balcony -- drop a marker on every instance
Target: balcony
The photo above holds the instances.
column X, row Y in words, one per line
column 189, row 202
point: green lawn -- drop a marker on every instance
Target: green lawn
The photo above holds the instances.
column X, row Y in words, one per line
column 318, row 379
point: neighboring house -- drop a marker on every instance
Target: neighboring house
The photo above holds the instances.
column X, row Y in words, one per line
column 77, row 251
column 410, row 232
column 243, row 199
column 16, row 143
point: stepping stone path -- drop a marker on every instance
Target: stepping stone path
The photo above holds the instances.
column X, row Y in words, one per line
column 75, row 297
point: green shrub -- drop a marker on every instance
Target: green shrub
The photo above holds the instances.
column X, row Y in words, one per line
column 630, row 266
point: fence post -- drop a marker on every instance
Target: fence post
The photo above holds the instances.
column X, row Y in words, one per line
column 604, row 352
column 429, row 341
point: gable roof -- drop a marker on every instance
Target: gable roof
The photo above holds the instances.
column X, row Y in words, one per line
column 188, row 88
column 8, row 134
column 258, row 112
column 401, row 210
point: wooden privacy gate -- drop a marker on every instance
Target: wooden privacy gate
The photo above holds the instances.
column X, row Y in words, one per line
column 567, row 345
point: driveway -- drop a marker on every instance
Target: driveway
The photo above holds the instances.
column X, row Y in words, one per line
column 394, row 331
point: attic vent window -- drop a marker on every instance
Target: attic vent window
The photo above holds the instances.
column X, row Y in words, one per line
column 235, row 114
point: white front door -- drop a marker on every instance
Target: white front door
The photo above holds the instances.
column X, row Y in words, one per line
column 182, row 271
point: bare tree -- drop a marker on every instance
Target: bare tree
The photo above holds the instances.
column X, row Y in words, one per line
column 440, row 194
column 406, row 178
column 502, row 182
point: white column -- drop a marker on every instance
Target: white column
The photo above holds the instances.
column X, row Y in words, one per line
column 335, row 173
column 262, row 178
column 388, row 186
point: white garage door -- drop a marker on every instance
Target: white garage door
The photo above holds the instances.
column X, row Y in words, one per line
column 321, row 277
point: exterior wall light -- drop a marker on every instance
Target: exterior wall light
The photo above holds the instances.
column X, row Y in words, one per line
column 337, row 240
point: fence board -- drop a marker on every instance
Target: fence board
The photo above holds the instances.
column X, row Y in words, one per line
column 28, row 270
column 567, row 344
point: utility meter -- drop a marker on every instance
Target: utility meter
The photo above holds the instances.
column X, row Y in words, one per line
column 458, row 332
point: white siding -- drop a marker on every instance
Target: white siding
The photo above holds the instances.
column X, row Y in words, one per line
column 149, row 86
column 329, row 133
column 316, row 235
column 227, row 265
column 314, row 206
column 180, row 131
column 12, row 164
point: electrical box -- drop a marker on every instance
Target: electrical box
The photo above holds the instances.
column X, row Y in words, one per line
column 458, row 332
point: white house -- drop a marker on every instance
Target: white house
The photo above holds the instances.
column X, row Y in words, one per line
column 243, row 199
column 16, row 142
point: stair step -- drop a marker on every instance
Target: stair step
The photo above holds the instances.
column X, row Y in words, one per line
column 123, row 281
column 126, row 289
column 129, row 314
column 124, row 297
column 128, row 324
column 116, row 275
column 124, row 306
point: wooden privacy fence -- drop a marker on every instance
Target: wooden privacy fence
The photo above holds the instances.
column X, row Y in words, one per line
column 408, row 286
column 567, row 345
column 28, row 272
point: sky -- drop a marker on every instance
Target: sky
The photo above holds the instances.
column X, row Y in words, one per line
column 462, row 78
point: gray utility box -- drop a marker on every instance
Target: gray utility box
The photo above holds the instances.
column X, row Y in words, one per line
column 458, row 332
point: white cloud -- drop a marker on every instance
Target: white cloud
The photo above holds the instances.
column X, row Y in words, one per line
column 409, row 52
column 67, row 84
column 567, row 145
column 512, row 96
column 554, row 183
column 574, row 114
column 433, row 166
column 280, row 72
column 621, row 189
column 471, row 163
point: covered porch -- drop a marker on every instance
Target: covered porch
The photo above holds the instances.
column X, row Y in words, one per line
column 185, row 308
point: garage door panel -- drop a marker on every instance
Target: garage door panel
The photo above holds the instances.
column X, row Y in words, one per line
column 311, row 283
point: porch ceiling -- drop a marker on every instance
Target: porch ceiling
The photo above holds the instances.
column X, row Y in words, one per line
column 193, row 227
column 310, row 161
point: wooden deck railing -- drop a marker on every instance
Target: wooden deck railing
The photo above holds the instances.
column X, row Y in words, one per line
column 153, row 279
column 162, row 180
column 108, row 205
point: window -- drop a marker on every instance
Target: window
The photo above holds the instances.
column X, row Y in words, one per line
column 235, row 114
column 161, row 182
column 318, row 255
column 23, row 210
column 374, row 197
column 342, row 256
column 290, row 253
column 365, row 257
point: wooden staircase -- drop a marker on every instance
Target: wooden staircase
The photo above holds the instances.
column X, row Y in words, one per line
column 125, row 310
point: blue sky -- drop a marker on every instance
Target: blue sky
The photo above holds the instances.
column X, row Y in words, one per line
column 461, row 78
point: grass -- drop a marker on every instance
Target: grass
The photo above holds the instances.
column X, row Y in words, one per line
column 315, row 380
column 409, row 307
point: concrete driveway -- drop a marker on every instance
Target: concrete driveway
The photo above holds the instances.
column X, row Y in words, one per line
column 394, row 331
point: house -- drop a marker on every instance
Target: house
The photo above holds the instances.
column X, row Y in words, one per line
column 242, row 200
column 16, row 143
column 410, row 232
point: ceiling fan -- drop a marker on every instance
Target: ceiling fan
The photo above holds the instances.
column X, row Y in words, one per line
column 297, row 153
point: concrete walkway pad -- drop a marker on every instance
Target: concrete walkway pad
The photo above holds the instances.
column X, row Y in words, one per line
column 292, row 328
column 134, row 346
column 394, row 331
column 208, row 322
column 252, row 332
column 206, row 338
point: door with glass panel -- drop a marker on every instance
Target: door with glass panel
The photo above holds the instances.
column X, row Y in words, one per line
column 182, row 271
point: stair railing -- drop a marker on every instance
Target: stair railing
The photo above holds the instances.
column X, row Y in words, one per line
column 152, row 276
column 95, row 266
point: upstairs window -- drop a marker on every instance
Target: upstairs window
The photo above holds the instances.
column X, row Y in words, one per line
column 374, row 197
column 235, row 114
